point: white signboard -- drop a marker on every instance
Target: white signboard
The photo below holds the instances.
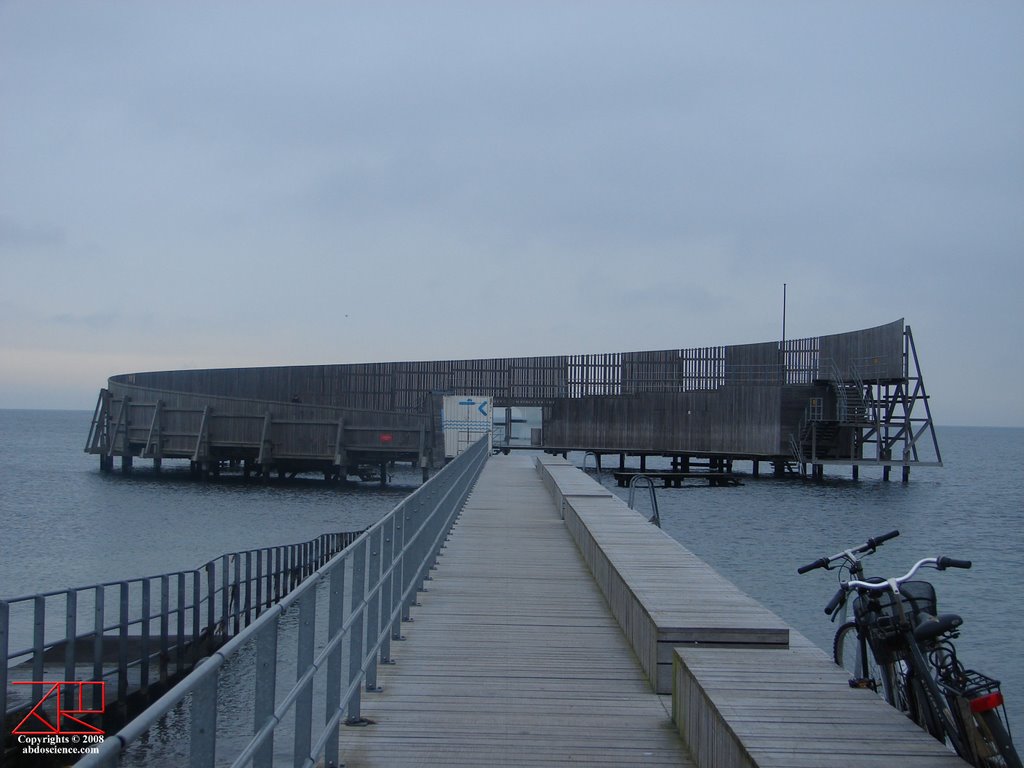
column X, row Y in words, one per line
column 464, row 420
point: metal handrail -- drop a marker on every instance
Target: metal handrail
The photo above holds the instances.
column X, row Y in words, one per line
column 378, row 577
column 656, row 516
column 157, row 626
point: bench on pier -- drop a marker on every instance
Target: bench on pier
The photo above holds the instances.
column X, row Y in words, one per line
column 791, row 707
column 661, row 594
column 673, row 479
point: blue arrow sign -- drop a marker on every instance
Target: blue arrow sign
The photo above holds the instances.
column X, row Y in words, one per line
column 482, row 406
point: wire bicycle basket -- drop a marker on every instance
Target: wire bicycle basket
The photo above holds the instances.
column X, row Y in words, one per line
column 878, row 617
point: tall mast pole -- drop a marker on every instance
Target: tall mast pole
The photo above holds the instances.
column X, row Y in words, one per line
column 783, row 315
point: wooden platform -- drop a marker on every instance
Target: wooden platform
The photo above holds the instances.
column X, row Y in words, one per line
column 661, row 593
column 790, row 708
column 673, row 479
column 513, row 658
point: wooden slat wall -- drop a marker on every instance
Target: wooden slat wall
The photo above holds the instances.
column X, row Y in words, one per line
column 875, row 354
column 731, row 420
column 701, row 400
column 406, row 386
column 298, row 430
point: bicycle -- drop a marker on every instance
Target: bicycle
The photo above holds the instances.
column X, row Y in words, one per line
column 959, row 706
column 850, row 648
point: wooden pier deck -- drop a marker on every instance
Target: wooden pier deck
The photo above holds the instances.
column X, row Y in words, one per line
column 555, row 613
column 513, row 658
column 674, row 479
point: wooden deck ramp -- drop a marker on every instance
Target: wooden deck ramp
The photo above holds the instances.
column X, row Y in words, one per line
column 514, row 658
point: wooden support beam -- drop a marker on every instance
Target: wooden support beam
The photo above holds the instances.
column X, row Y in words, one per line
column 340, row 454
column 112, row 436
column 154, row 441
column 202, row 451
column 423, row 459
column 265, row 457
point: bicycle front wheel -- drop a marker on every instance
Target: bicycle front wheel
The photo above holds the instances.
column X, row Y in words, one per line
column 851, row 652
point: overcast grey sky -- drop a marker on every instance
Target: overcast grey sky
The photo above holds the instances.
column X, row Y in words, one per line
column 196, row 184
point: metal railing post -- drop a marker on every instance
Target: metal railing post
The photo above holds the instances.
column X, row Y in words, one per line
column 386, row 588
column 203, row 730
column 415, row 554
column 180, row 649
column 122, row 644
column 425, row 541
column 70, row 649
column 236, row 596
column 225, row 595
column 211, row 596
column 265, row 691
column 248, row 588
column 335, row 622
column 38, row 645
column 303, row 663
column 144, row 636
column 165, row 628
column 373, row 588
column 99, row 620
column 398, row 576
column 259, row 582
column 355, row 648
column 5, row 649
column 197, row 589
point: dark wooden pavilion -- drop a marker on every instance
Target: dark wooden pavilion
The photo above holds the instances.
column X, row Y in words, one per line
column 854, row 398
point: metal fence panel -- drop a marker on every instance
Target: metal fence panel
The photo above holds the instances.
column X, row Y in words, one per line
column 377, row 577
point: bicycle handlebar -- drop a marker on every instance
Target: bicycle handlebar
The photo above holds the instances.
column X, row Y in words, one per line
column 879, row 540
column 848, row 554
column 949, row 562
column 811, row 566
column 834, row 602
column 892, row 585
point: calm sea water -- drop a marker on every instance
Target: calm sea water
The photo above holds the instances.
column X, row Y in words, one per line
column 63, row 523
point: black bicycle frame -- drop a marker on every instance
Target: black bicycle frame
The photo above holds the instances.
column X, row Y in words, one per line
column 921, row 670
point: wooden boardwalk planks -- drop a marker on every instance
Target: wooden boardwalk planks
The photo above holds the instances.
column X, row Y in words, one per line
column 660, row 592
column 790, row 708
column 513, row 658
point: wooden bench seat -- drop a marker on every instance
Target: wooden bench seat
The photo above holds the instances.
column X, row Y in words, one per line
column 661, row 594
column 792, row 708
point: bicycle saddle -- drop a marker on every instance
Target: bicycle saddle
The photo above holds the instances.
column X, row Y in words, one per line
column 929, row 627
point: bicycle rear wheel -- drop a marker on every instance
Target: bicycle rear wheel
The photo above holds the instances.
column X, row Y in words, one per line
column 992, row 729
column 984, row 733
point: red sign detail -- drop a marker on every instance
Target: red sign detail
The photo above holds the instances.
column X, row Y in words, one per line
column 37, row 722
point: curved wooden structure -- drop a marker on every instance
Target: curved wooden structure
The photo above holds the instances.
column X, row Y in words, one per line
column 850, row 398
